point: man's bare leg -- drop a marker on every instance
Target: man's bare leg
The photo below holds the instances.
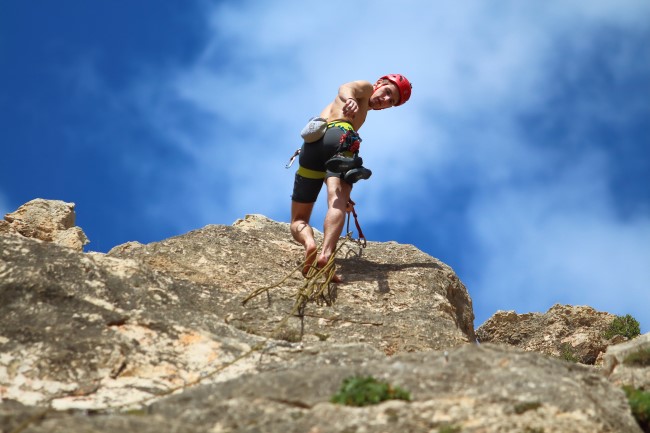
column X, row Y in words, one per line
column 302, row 231
column 338, row 195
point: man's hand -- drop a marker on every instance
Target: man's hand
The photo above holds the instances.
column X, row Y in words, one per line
column 350, row 108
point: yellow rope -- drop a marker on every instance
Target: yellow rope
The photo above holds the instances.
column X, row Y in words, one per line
column 316, row 282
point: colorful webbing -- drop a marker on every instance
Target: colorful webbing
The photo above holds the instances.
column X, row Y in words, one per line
column 310, row 174
column 350, row 141
column 344, row 125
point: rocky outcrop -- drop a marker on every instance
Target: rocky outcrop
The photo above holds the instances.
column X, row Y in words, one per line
column 147, row 318
column 629, row 363
column 155, row 338
column 47, row 220
column 86, row 330
column 570, row 332
column 395, row 297
column 469, row 389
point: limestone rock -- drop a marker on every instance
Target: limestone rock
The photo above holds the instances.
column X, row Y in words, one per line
column 569, row 332
column 88, row 331
column 629, row 363
column 167, row 313
column 154, row 338
column 471, row 388
column 395, row 297
column 5, row 228
column 47, row 220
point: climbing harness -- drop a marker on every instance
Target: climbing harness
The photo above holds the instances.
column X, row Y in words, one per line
column 347, row 156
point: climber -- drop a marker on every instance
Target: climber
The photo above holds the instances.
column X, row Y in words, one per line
column 331, row 157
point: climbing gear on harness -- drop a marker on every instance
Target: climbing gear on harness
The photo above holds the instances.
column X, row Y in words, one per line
column 340, row 163
column 403, row 85
column 349, row 143
column 362, row 238
column 292, row 159
column 357, row 174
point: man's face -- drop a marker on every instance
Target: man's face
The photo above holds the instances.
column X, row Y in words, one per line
column 385, row 96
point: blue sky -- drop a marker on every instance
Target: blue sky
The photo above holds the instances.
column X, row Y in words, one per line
column 522, row 159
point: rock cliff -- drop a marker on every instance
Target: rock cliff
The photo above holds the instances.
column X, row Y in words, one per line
column 156, row 338
column 47, row 220
column 574, row 332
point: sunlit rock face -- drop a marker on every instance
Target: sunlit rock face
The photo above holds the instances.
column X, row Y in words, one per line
column 156, row 337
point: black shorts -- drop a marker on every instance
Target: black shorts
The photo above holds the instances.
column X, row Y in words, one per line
column 306, row 190
column 312, row 172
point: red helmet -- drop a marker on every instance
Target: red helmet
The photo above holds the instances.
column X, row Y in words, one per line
column 403, row 85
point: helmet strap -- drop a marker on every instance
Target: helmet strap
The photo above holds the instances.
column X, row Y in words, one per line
column 376, row 87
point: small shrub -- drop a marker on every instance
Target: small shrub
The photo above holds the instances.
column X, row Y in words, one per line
column 567, row 354
column 640, row 404
column 640, row 358
column 366, row 390
column 627, row 326
column 450, row 429
column 137, row 412
column 526, row 406
column 288, row 334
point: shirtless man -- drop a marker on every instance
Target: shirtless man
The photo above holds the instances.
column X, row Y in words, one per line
column 345, row 114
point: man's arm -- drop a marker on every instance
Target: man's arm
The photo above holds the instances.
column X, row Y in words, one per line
column 350, row 94
column 356, row 90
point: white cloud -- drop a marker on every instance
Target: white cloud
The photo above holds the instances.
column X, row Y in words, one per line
column 558, row 243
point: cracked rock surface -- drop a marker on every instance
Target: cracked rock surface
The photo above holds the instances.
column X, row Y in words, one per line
column 155, row 338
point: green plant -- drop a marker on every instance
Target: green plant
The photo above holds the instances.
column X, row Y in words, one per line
column 640, row 358
column 366, row 390
column 287, row 334
column 567, row 354
column 640, row 404
column 136, row 412
column 450, row 429
column 526, row 406
column 627, row 326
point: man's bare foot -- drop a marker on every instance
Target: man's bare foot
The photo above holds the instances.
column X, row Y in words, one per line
column 336, row 278
column 310, row 260
column 322, row 262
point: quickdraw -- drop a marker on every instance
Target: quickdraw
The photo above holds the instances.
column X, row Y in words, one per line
column 362, row 238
